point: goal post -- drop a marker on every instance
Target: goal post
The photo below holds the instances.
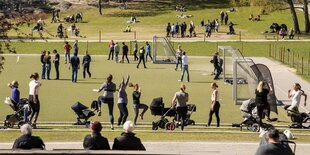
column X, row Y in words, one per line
column 163, row 51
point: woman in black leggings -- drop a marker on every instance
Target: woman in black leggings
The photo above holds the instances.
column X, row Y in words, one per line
column 108, row 97
column 215, row 105
column 34, row 102
column 136, row 94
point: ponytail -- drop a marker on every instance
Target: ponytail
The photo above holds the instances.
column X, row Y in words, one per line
column 34, row 76
column 182, row 88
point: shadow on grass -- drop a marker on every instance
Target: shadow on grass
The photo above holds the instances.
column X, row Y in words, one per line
column 201, row 82
column 89, row 82
column 63, row 79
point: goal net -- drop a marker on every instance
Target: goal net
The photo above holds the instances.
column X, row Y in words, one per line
column 163, row 51
column 237, row 71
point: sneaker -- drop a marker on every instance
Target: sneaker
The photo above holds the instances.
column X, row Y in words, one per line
column 180, row 80
column 141, row 115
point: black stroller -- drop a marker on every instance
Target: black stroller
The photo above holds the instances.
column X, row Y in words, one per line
column 158, row 109
column 249, row 113
column 298, row 119
column 83, row 113
column 21, row 110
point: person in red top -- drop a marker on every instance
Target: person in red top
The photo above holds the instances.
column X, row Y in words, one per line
column 67, row 49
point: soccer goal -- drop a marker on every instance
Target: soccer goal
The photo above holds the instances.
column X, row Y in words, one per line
column 237, row 72
column 163, row 51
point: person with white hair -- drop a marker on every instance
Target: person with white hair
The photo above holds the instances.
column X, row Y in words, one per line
column 128, row 140
column 27, row 141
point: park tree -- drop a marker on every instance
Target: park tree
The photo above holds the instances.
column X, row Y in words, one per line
column 294, row 15
column 14, row 14
column 306, row 14
column 99, row 6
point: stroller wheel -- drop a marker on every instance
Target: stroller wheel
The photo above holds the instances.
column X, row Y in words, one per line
column 8, row 125
column 170, row 126
column 255, row 127
column 20, row 124
column 154, row 126
column 193, row 122
column 87, row 124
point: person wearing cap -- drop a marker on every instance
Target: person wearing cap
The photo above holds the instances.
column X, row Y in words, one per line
column 274, row 146
column 26, row 141
column 95, row 141
column 15, row 98
column 128, row 140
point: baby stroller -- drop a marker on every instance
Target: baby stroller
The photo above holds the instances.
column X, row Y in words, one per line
column 20, row 115
column 251, row 120
column 158, row 109
column 298, row 119
column 84, row 113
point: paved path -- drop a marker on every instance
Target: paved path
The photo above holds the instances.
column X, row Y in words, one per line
column 184, row 148
column 284, row 78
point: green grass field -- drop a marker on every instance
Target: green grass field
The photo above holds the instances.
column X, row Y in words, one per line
column 155, row 15
column 248, row 49
column 158, row 80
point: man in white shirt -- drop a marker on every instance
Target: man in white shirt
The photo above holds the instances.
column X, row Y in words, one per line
column 184, row 66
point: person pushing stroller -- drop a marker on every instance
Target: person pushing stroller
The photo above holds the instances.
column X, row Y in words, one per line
column 179, row 102
column 15, row 100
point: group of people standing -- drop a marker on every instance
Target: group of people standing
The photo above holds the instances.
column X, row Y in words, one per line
column 177, row 29
column 109, row 88
column 46, row 61
column 143, row 53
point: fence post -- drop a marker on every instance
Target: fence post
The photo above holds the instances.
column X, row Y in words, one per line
column 275, row 52
column 293, row 59
column 302, row 65
column 130, row 47
column 269, row 50
column 308, row 63
column 100, row 36
column 288, row 56
column 284, row 55
column 239, row 35
column 135, row 35
column 297, row 62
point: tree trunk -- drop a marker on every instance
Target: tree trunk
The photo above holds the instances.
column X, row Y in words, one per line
column 306, row 12
column 294, row 16
column 99, row 6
